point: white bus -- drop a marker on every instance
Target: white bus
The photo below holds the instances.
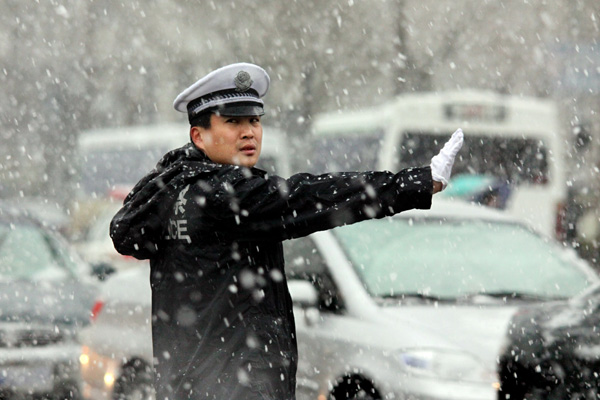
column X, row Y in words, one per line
column 516, row 139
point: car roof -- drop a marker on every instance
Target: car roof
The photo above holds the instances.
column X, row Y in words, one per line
column 23, row 216
column 12, row 212
column 460, row 209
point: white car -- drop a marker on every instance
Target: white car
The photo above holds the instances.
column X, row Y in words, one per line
column 116, row 356
column 98, row 249
column 416, row 306
column 409, row 307
column 46, row 292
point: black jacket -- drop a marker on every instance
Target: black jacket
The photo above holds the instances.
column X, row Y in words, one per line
column 222, row 322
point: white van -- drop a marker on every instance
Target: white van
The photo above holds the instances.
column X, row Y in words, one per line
column 118, row 157
column 514, row 138
column 112, row 160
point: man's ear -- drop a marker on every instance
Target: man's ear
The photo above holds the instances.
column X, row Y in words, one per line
column 196, row 137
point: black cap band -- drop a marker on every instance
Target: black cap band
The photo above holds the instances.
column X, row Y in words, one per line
column 223, row 99
column 230, row 110
column 240, row 110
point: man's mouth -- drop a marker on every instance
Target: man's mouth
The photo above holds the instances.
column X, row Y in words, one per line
column 248, row 149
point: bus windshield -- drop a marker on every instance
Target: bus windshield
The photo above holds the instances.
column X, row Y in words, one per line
column 512, row 159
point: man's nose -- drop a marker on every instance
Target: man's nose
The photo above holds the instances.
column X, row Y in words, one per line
column 247, row 132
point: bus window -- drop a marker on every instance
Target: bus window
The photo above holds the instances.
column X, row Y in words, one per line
column 516, row 160
column 346, row 153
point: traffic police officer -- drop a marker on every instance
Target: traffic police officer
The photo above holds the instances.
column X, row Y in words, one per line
column 212, row 226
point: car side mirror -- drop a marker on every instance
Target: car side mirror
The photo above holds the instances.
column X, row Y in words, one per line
column 305, row 296
column 303, row 293
column 102, row 270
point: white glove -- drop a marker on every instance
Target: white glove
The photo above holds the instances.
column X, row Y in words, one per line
column 441, row 165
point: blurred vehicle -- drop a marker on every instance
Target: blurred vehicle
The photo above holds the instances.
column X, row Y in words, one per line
column 552, row 351
column 517, row 139
column 47, row 212
column 46, row 293
column 116, row 357
column 484, row 189
column 113, row 157
column 112, row 160
column 416, row 306
column 97, row 248
column 413, row 306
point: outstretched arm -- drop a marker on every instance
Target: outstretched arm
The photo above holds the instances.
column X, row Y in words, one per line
column 275, row 208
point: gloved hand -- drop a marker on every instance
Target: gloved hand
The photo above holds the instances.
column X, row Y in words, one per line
column 441, row 165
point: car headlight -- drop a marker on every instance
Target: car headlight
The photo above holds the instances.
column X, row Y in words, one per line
column 444, row 364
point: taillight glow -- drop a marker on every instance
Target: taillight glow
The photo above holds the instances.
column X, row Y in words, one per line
column 98, row 305
column 560, row 228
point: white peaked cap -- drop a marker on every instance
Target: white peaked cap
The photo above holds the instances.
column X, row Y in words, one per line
column 235, row 83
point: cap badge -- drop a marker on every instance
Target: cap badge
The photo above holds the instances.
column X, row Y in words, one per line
column 243, row 81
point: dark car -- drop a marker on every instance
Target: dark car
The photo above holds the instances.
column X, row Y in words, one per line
column 552, row 351
column 46, row 294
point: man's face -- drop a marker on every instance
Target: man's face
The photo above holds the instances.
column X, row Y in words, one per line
column 230, row 140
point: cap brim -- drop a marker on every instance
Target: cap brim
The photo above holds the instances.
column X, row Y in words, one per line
column 240, row 110
column 221, row 79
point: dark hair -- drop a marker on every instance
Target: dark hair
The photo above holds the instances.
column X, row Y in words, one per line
column 202, row 120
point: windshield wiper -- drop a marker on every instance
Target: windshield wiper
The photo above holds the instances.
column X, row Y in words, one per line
column 468, row 298
column 412, row 296
column 509, row 295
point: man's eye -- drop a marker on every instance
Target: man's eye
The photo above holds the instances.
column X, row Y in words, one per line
column 231, row 120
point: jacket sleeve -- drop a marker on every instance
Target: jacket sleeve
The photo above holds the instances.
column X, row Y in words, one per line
column 138, row 226
column 256, row 208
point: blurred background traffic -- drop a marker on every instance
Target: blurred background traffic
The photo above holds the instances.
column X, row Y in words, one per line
column 356, row 85
column 70, row 66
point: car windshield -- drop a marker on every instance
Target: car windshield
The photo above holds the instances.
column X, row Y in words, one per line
column 27, row 253
column 453, row 259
